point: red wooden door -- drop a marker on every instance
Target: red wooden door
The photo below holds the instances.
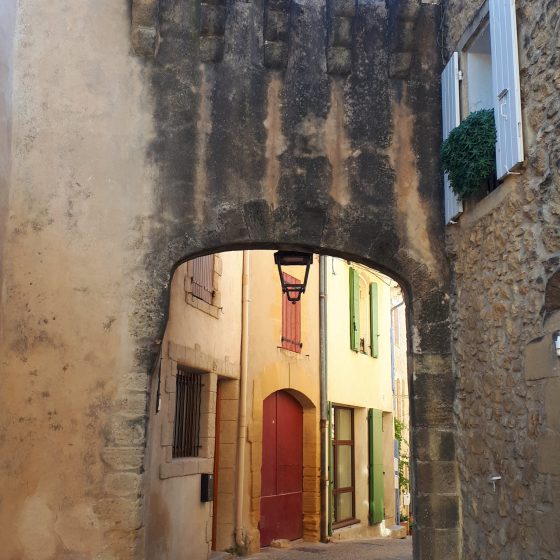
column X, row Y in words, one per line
column 282, row 469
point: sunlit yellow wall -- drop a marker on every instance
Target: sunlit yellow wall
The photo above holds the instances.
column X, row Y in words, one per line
column 358, row 380
column 355, row 378
column 272, row 368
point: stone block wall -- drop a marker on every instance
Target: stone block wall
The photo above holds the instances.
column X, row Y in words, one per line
column 504, row 249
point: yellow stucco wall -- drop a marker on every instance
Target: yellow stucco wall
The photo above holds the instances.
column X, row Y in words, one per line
column 271, row 369
column 361, row 381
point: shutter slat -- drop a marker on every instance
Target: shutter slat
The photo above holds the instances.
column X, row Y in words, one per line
column 506, row 86
column 451, row 117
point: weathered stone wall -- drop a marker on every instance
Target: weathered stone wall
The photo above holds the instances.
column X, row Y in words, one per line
column 294, row 123
column 504, row 249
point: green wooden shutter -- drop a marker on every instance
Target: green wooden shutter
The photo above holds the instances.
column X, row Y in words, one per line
column 373, row 319
column 330, row 430
column 375, row 456
column 354, row 310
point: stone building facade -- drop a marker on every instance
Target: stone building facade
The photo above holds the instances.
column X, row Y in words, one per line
column 504, row 250
column 138, row 134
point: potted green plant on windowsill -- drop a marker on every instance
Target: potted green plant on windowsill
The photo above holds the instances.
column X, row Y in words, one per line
column 468, row 155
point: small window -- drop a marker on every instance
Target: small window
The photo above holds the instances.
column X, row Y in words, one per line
column 291, row 320
column 203, row 278
column 343, row 454
column 186, row 430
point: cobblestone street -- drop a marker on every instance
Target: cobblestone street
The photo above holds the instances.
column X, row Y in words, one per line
column 362, row 549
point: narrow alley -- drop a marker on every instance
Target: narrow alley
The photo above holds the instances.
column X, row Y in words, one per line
column 362, row 549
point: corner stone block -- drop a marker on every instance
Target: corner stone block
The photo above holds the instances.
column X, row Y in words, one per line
column 399, row 65
column 438, row 511
column 435, row 337
column 436, row 477
column 551, row 408
column 211, row 49
column 343, row 8
column 548, row 453
column 433, row 400
column 125, row 512
column 434, row 445
column 145, row 41
column 541, row 360
column 275, row 54
column 144, row 12
column 339, row 61
column 436, row 544
column 123, row 458
column 432, row 363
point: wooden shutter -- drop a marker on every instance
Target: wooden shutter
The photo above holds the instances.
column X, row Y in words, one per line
column 373, row 319
column 291, row 320
column 505, row 85
column 203, row 278
column 354, row 310
column 375, row 456
column 451, row 117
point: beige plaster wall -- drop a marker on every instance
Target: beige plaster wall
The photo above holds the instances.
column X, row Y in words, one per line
column 7, row 30
column 361, row 381
column 73, row 397
column 177, row 523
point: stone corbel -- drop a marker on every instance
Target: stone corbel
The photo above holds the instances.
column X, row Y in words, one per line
column 145, row 27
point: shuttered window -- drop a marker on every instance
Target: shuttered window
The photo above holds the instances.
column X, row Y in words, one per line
column 343, row 455
column 354, row 310
column 186, row 429
column 203, row 278
column 375, row 467
column 451, row 117
column 505, row 85
column 373, row 318
column 291, row 320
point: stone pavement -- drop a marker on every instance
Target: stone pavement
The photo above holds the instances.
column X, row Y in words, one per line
column 359, row 549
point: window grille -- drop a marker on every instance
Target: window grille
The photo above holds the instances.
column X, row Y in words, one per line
column 186, row 432
column 203, row 278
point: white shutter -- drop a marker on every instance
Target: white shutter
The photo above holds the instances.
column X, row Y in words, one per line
column 451, row 117
column 505, row 85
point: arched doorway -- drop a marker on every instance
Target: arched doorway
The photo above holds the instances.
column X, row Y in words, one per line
column 282, row 469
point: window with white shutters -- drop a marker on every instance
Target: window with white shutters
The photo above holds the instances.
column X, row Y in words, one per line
column 485, row 75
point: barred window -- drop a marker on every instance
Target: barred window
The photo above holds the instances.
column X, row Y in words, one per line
column 186, row 431
column 203, row 278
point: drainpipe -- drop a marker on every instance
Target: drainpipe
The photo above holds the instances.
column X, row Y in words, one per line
column 398, row 491
column 323, row 392
column 242, row 427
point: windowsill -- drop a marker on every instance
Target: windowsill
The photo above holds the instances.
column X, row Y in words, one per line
column 475, row 211
column 347, row 523
column 291, row 353
column 185, row 466
column 205, row 307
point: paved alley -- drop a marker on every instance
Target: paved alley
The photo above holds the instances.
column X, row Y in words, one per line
column 362, row 549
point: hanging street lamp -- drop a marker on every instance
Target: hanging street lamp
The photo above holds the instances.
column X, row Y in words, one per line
column 293, row 291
